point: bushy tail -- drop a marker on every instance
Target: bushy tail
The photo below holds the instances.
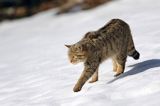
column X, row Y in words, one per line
column 135, row 55
column 131, row 49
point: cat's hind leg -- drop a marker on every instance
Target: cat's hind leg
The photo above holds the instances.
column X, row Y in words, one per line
column 114, row 64
column 121, row 60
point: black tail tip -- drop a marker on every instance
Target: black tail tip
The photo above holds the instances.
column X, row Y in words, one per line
column 136, row 55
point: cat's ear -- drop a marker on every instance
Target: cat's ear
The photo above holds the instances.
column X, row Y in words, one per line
column 68, row 46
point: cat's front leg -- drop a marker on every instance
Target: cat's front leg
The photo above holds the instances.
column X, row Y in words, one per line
column 94, row 77
column 86, row 74
column 89, row 70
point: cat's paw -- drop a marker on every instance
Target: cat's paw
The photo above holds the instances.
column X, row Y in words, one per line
column 76, row 88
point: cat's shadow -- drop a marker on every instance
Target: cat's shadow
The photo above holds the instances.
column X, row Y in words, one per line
column 138, row 68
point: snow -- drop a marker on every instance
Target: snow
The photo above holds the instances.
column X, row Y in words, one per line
column 35, row 71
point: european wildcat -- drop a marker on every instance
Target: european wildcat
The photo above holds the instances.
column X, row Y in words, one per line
column 114, row 40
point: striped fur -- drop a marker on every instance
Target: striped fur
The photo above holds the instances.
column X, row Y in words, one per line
column 114, row 40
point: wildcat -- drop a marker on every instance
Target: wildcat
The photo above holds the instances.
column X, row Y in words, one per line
column 114, row 41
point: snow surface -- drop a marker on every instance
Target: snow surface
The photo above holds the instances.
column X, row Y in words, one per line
column 35, row 71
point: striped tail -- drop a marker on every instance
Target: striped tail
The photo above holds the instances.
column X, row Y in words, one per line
column 131, row 49
column 135, row 54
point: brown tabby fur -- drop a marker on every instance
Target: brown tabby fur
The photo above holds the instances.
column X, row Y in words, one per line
column 114, row 40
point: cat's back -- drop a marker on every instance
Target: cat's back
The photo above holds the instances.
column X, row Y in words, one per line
column 114, row 25
column 114, row 34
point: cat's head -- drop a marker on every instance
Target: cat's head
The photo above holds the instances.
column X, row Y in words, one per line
column 76, row 53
